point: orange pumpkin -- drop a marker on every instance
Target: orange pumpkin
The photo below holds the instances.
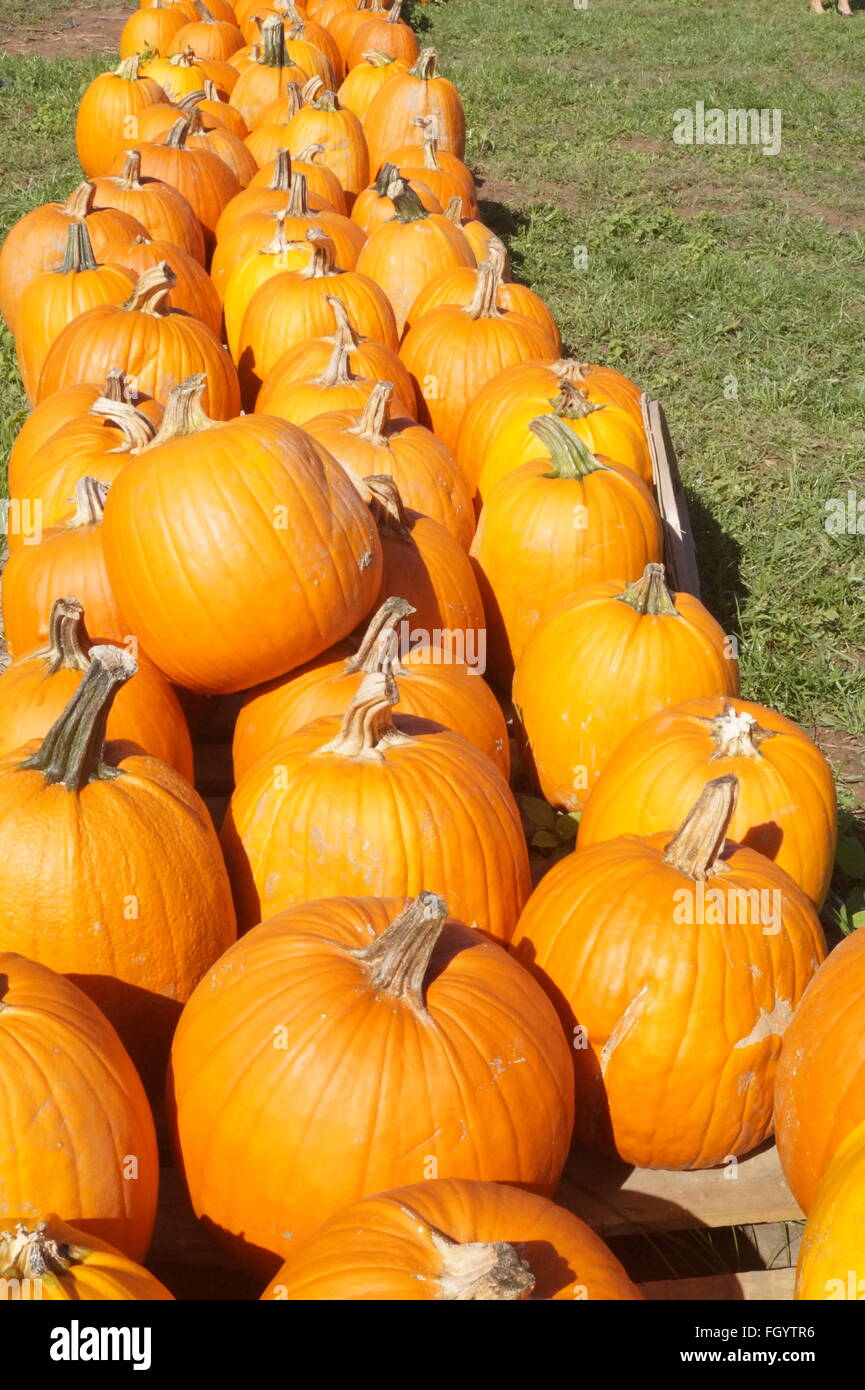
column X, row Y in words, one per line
column 384, row 34
column 453, row 1239
column 303, row 34
column 163, row 212
column 337, row 388
column 478, row 235
column 441, row 171
column 403, row 255
column 68, row 1266
column 72, row 1093
column 390, row 119
column 830, row 1260
column 221, row 142
column 58, row 296
column 366, row 80
column 185, row 73
column 453, row 351
column 251, row 268
column 213, row 107
column 270, row 495
column 786, row 808
column 193, row 292
column 434, row 684
column 270, row 134
column 292, row 306
column 454, row 1011
column 155, row 345
column 266, row 78
column 676, row 963
column 36, row 688
column 820, row 1088
column 323, row 187
column 546, row 532
column 457, row 286
column 203, row 178
column 376, row 441
column 110, row 870
column 434, row 809
column 151, row 31
column 110, row 101
column 374, row 205
column 344, row 24
column 609, row 657
column 324, row 122
column 208, row 37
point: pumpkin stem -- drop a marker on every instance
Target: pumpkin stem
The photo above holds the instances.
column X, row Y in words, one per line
column 298, row 204
column 128, row 69
column 138, row 429
column 337, row 372
column 204, row 12
column 310, row 90
column 649, row 594
column 79, row 250
column 377, row 59
column 482, row 304
column 379, row 640
column 176, row 137
column 68, row 642
column 195, row 123
column 429, row 126
column 697, row 844
column 327, row 101
column 186, row 59
column 480, row 1271
column 130, row 175
column 367, row 728
column 386, row 175
column 346, row 333
column 191, row 100
column 281, row 179
column 398, row 960
column 32, row 1254
column 279, row 242
column 406, row 203
column 152, row 290
column 309, row 154
column 426, row 65
column 571, row 458
column 736, row 733
column 80, row 200
column 387, row 506
column 454, row 211
column 184, row 413
column 72, row 751
column 394, row 12
column 571, row 403
column 375, row 415
column 90, row 495
column 321, row 262
column 115, row 388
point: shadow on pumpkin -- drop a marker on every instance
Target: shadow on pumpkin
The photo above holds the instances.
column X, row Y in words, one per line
column 144, row 1019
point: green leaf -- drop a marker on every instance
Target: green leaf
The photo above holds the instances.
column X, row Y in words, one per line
column 544, row 839
column 850, row 856
column 566, row 828
column 537, row 812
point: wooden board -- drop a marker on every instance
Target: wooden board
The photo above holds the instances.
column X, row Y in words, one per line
column 766, row 1285
column 680, row 555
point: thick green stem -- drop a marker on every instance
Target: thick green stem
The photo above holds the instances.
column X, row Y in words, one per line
column 72, row 752
column 79, row 251
column 570, row 456
column 649, row 594
column 406, row 203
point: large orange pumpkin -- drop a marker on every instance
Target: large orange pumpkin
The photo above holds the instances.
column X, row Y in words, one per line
column 251, row 267
column 289, row 545
column 36, row 688
column 389, row 122
column 457, row 286
column 110, row 870
column 831, row 1264
column 366, row 80
column 162, row 210
column 371, row 804
column 68, row 1266
column 610, row 656
column 820, row 1090
column 786, row 808
column 434, row 684
column 156, row 346
column 203, row 178
column 324, row 122
column 442, row 172
column 403, row 255
column 376, row 442
column 111, row 101
column 267, row 77
column 546, row 531
column 151, row 31
column 75, row 1113
column 676, row 963
column 421, row 1048
column 383, row 34
column 337, row 388
column 374, row 205
column 208, row 37
column 452, row 1239
column 193, row 291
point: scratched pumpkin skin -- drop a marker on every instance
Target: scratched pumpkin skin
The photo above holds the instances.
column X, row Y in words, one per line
column 683, row 1013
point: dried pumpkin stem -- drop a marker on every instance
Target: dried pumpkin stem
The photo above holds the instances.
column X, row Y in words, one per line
column 309, row 154
column 310, row 90
column 379, row 640
column 387, row 506
column 80, row 200
column 73, row 749
column 184, row 413
column 176, row 137
column 571, row 458
column 186, row 59
column 128, row 69
column 737, row 734
column 321, row 262
column 90, row 495
column 115, row 388
column 281, row 178
column 337, row 372
column 345, row 333
column 137, row 429
column 129, row 177
column 426, row 65
column 298, row 203
column 367, row 728
column 191, row 100
column 394, row 13
column 152, row 290
column 32, row 1254
column 326, row 101
column 483, row 302
column 79, row 250
column 407, row 205
column 429, row 126
column 398, row 960
column 649, row 594
column 481, row 1271
column 386, row 175
column 68, row 642
column 273, row 53
column 454, row 211
column 571, row 403
column 375, row 416
column 376, row 58
column 695, row 848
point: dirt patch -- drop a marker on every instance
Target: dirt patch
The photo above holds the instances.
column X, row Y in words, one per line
column 840, row 221
column 85, row 31
column 847, row 756
column 643, row 144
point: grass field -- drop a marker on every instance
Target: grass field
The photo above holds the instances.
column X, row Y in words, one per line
column 726, row 281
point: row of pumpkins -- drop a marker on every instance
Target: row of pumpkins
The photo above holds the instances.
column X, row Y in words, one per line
column 279, row 412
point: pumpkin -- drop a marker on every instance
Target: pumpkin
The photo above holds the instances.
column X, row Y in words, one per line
column 441, row 171
column 367, row 78
column 277, row 178
column 39, row 239
column 384, row 34
column 271, row 497
column 302, row 34
column 193, row 292
column 251, row 269
column 36, row 688
column 478, row 1086
column 162, row 210
column 324, row 122
column 389, row 122
column 786, row 808
column 214, row 108
column 676, row 963
column 432, row 807
column 831, row 1262
column 292, row 307
column 377, row 441
column 337, row 388
column 366, row 358
column 820, row 1089
column 609, row 657
column 256, row 228
column 403, row 255
column 184, row 73
column 433, row 684
column 374, row 205
column 203, row 178
column 155, row 345
column 184, row 7
column 496, row 437
column 323, row 11
column 71, row 1092
column 478, row 235
column 453, row 351
column 151, row 31
column 323, row 187
column 270, row 134
column 546, row 532
column 208, row 37
column 344, row 25
column 221, row 142
column 110, row 102
column 454, row 1239
column 265, row 79
column 457, row 286
column 110, row 870
column 58, row 296
column 67, row 1266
